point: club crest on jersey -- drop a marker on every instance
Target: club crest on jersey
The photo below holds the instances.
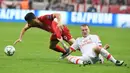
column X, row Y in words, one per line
column 84, row 42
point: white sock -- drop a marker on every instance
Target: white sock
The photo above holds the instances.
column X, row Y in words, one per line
column 101, row 59
column 74, row 59
column 107, row 55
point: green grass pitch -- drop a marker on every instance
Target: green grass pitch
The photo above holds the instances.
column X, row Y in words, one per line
column 33, row 55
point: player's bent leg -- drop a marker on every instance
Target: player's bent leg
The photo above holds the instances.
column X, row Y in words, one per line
column 108, row 56
column 79, row 60
column 70, row 42
column 101, row 59
column 54, row 46
column 64, row 55
column 74, row 59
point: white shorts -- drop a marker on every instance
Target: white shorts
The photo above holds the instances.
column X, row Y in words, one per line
column 88, row 50
column 88, row 59
column 88, row 54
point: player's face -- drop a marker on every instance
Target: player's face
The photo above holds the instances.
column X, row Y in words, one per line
column 85, row 30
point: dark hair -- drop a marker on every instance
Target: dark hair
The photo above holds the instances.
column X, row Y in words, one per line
column 29, row 16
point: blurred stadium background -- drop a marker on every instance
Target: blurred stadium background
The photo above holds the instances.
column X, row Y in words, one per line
column 104, row 6
column 110, row 19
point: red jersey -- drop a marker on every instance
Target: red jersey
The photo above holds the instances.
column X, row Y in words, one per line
column 51, row 26
column 47, row 22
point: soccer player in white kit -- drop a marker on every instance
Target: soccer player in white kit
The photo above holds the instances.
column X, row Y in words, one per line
column 90, row 47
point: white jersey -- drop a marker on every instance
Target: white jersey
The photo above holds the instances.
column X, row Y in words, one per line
column 86, row 45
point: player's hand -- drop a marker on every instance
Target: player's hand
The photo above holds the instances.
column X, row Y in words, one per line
column 18, row 40
column 106, row 46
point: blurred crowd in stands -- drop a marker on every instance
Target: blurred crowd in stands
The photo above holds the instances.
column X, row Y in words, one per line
column 103, row 6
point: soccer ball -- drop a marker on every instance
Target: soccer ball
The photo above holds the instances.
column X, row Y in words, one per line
column 9, row 50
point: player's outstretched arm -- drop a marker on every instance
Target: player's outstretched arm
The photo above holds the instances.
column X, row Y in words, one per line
column 26, row 27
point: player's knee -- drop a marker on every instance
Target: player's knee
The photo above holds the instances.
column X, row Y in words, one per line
column 97, row 49
column 52, row 47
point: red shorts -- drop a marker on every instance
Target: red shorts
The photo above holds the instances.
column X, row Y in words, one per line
column 65, row 34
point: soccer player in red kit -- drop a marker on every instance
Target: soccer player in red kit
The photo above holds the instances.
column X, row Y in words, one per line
column 50, row 23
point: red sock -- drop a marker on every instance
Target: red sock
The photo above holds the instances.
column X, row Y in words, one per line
column 59, row 49
column 108, row 57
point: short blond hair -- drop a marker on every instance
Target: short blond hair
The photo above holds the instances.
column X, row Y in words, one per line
column 84, row 25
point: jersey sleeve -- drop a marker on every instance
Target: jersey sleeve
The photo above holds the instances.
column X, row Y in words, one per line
column 46, row 17
column 74, row 46
column 97, row 40
column 54, row 27
column 56, row 30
